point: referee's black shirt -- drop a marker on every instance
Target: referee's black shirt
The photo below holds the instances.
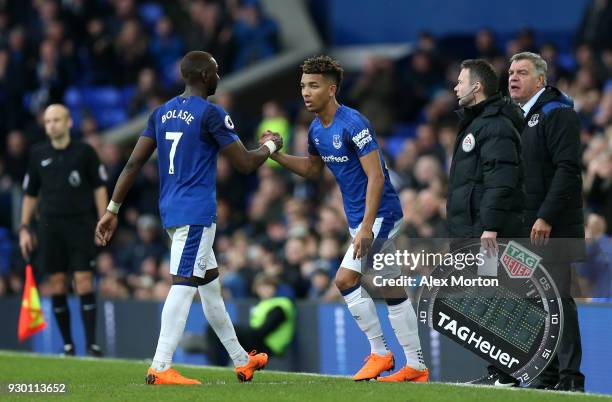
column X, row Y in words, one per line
column 64, row 179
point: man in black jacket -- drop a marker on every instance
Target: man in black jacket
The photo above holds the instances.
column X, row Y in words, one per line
column 553, row 207
column 485, row 197
column 485, row 188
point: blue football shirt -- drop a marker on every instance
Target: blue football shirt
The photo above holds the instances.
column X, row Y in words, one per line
column 189, row 133
column 340, row 145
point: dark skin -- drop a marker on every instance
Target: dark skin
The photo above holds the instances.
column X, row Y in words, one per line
column 201, row 78
column 319, row 94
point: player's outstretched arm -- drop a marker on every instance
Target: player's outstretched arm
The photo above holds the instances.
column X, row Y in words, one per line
column 246, row 161
column 140, row 155
column 310, row 166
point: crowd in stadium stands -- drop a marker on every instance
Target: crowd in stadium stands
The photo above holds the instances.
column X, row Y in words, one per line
column 271, row 222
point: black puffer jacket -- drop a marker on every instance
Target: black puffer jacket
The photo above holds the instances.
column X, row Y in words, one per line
column 485, row 189
column 551, row 157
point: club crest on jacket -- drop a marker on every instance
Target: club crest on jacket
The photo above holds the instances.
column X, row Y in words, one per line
column 534, row 120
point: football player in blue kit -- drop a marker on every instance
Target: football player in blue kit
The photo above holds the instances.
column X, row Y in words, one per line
column 189, row 132
column 343, row 140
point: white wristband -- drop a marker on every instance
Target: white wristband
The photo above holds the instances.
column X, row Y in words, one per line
column 113, row 207
column 271, row 146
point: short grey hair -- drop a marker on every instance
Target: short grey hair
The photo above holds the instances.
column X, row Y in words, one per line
column 539, row 63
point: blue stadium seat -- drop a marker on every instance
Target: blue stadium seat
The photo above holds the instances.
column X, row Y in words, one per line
column 150, row 13
column 6, row 250
column 567, row 61
column 127, row 93
column 108, row 117
column 73, row 98
column 394, row 145
column 107, row 104
column 77, row 115
column 405, row 130
column 27, row 100
column 102, row 97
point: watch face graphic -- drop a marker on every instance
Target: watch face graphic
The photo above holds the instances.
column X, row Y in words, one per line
column 514, row 325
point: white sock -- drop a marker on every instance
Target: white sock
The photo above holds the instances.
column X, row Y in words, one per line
column 363, row 310
column 219, row 320
column 404, row 323
column 173, row 319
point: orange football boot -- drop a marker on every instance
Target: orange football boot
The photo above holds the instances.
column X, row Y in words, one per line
column 407, row 373
column 168, row 377
column 257, row 361
column 375, row 364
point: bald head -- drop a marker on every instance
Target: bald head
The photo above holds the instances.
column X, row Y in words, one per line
column 57, row 121
column 58, row 108
column 200, row 69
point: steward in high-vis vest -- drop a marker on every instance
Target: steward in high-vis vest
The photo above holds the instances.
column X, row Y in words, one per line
column 274, row 321
column 271, row 326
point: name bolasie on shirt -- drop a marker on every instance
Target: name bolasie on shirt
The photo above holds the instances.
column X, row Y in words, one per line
column 177, row 114
column 362, row 138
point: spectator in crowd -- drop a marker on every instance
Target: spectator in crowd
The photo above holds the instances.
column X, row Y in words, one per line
column 98, row 45
column 485, row 45
column 16, row 161
column 416, row 84
column 166, row 48
column 147, row 87
column 374, row 93
column 596, row 272
column 596, row 22
column 274, row 119
column 130, row 53
column 256, row 35
column 147, row 245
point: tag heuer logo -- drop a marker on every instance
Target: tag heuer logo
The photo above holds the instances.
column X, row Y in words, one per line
column 519, row 261
column 534, row 120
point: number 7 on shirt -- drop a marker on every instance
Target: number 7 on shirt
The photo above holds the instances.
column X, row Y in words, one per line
column 175, row 137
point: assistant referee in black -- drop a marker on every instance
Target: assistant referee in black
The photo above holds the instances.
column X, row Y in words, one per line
column 65, row 180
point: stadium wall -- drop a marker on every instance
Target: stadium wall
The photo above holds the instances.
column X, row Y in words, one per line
column 358, row 22
column 327, row 339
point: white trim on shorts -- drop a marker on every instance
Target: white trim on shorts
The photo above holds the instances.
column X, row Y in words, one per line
column 195, row 261
column 354, row 264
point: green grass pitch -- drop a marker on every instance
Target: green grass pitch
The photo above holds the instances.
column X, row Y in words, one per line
column 123, row 380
